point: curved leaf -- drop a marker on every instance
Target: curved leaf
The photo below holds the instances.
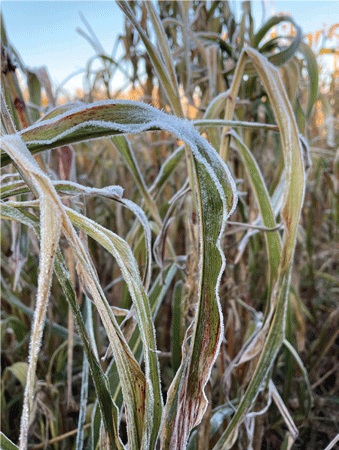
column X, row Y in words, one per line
column 216, row 195
column 313, row 76
column 108, row 408
column 273, row 243
column 284, row 55
column 293, row 201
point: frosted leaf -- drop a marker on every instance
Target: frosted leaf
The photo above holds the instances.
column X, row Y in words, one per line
column 50, row 225
column 69, row 187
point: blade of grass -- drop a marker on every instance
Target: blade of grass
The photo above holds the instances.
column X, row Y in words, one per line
column 217, row 197
column 293, row 200
column 166, row 170
column 108, row 408
column 313, row 76
column 132, row 378
column 273, row 243
column 14, row 301
column 164, row 74
column 50, row 232
column 124, row 256
column 124, row 148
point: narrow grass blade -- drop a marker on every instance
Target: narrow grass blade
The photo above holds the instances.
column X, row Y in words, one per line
column 124, row 256
column 34, row 89
column 166, row 170
column 170, row 85
column 115, row 193
column 284, row 412
column 313, row 76
column 291, row 76
column 293, row 200
column 273, row 243
column 124, row 148
column 163, row 44
column 156, row 295
column 234, row 123
column 108, row 408
column 79, row 444
column 50, row 232
column 14, row 301
column 219, row 414
column 177, row 325
column 303, row 369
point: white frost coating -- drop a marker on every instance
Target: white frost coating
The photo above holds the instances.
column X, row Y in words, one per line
column 115, row 192
column 149, row 117
column 130, row 271
column 50, row 220
column 9, row 175
column 122, row 352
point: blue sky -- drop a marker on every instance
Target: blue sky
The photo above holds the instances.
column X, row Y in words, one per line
column 44, row 32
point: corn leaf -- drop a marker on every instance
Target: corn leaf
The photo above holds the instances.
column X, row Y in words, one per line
column 151, row 415
column 50, row 233
column 272, row 238
column 108, row 409
column 217, row 197
column 293, row 200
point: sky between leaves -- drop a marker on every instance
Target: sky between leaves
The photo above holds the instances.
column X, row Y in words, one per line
column 43, row 32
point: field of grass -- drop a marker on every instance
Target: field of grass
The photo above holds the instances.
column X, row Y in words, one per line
column 170, row 265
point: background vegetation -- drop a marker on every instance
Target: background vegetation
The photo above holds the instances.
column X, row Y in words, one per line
column 271, row 372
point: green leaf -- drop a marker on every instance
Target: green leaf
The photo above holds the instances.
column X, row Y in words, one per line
column 19, row 370
column 124, row 148
column 284, row 55
column 293, row 201
column 166, row 170
column 50, row 232
column 6, row 444
column 14, row 301
column 150, row 419
column 165, row 72
column 273, row 243
column 177, row 325
column 313, row 76
column 216, row 196
column 108, row 408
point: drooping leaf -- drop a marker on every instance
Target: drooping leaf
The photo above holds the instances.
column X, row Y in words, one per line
column 50, row 232
column 108, row 408
column 293, row 199
column 216, row 195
